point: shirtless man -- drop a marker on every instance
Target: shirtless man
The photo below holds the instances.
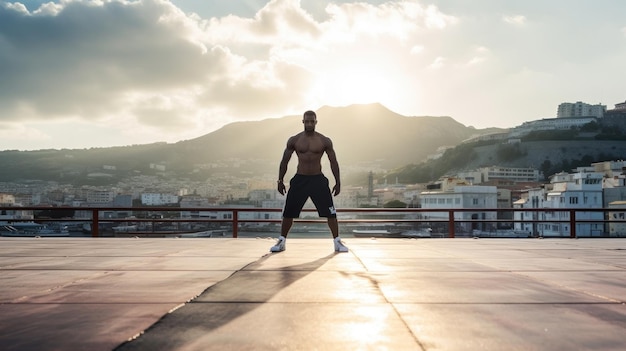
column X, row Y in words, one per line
column 309, row 181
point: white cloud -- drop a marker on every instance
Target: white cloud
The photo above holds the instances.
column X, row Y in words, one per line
column 398, row 19
column 18, row 7
column 480, row 55
column 97, row 58
column 147, row 70
column 516, row 19
column 417, row 49
column 436, row 19
column 49, row 9
column 438, row 63
column 475, row 60
column 280, row 22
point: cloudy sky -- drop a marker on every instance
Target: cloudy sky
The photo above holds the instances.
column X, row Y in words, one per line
column 97, row 73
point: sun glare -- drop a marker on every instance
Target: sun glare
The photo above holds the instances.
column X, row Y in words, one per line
column 353, row 85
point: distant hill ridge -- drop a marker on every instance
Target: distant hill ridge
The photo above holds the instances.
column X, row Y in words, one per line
column 360, row 133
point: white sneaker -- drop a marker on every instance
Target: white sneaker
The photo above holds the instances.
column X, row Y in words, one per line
column 280, row 245
column 339, row 246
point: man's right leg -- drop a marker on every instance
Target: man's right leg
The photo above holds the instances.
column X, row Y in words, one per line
column 296, row 197
column 284, row 231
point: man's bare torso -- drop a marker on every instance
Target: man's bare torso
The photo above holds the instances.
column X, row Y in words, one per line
column 310, row 148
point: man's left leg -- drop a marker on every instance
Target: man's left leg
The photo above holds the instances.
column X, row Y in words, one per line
column 323, row 201
column 334, row 229
column 333, row 225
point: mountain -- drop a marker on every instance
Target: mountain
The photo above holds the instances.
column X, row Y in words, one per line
column 366, row 137
column 361, row 134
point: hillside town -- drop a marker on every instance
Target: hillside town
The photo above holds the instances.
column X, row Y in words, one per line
column 600, row 184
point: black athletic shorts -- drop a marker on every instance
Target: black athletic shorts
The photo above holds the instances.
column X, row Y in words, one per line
column 301, row 187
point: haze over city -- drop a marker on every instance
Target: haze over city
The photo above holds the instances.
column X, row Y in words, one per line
column 86, row 73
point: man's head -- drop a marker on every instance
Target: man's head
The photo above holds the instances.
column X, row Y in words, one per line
column 309, row 119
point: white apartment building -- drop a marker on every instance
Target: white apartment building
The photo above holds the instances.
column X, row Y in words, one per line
column 100, row 197
column 610, row 168
column 227, row 215
column 565, row 191
column 618, row 213
column 158, row 199
column 475, row 198
column 389, row 193
column 7, row 199
column 259, row 195
column 614, row 181
column 412, row 197
column 267, row 198
column 26, row 199
column 561, row 123
column 580, row 109
column 191, row 201
column 486, row 174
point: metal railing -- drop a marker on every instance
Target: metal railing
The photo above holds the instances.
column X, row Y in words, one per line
column 444, row 222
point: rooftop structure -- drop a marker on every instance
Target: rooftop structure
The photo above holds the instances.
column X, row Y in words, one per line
column 385, row 294
column 620, row 106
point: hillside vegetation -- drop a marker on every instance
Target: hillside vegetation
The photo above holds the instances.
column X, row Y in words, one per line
column 550, row 152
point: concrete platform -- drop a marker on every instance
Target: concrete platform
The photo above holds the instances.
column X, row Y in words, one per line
column 385, row 294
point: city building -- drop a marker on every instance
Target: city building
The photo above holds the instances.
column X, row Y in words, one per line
column 259, row 196
column 562, row 123
column 158, row 199
column 569, row 115
column 125, row 200
column 486, row 174
column 617, row 218
column 620, row 106
column 453, row 195
column 218, row 214
column 610, row 168
column 566, row 191
column 580, row 109
column 7, row 199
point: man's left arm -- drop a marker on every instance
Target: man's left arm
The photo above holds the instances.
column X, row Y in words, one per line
column 334, row 166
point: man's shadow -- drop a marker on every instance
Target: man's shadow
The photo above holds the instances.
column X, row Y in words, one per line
column 242, row 292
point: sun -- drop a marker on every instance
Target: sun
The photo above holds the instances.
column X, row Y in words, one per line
column 354, row 84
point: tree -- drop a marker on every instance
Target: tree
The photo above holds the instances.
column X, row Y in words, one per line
column 590, row 127
column 394, row 204
column 507, row 152
column 546, row 168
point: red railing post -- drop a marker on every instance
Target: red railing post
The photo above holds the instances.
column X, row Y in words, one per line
column 235, row 223
column 451, row 223
column 572, row 224
column 95, row 226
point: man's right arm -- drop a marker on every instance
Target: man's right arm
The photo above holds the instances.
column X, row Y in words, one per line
column 282, row 169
